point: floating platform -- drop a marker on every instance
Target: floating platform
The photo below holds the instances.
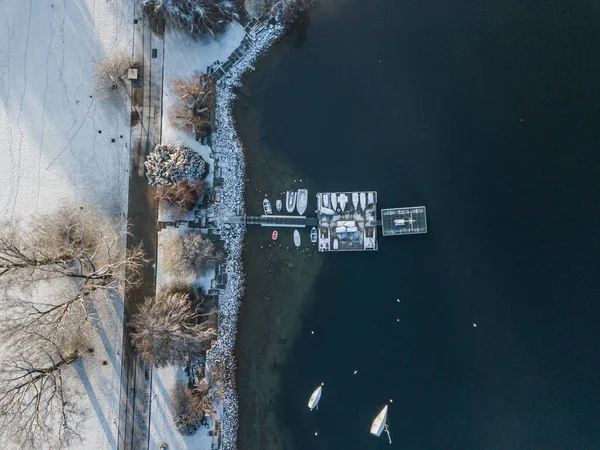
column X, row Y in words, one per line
column 398, row 221
column 347, row 221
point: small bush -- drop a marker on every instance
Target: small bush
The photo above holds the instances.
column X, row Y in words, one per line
column 183, row 195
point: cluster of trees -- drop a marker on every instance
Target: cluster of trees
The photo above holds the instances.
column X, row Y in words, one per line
column 194, row 110
column 176, row 172
column 196, row 17
column 53, row 273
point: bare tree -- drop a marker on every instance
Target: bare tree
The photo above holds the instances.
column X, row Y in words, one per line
column 111, row 73
column 181, row 195
column 51, row 269
column 36, row 408
column 195, row 105
column 166, row 330
column 199, row 252
column 196, row 17
column 192, row 253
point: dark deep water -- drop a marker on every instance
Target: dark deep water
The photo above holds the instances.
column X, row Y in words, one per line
column 488, row 113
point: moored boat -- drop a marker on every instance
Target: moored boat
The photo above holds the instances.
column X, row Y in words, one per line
column 302, row 201
column 296, row 238
column 313, row 401
column 325, row 200
column 355, row 200
column 313, row 235
column 327, row 211
column 343, row 199
column 370, row 198
column 278, row 205
column 274, row 235
column 334, row 204
column 290, row 201
column 379, row 424
column 363, row 200
column 267, row 206
column 335, row 244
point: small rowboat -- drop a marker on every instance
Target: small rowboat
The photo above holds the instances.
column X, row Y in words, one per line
column 278, row 205
column 296, row 238
column 313, row 235
column 274, row 235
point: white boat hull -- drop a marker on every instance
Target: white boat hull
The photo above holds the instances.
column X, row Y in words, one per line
column 302, row 201
column 297, row 238
column 325, row 200
column 355, row 200
column 363, row 200
column 278, row 205
column 313, row 402
column 290, row 201
column 334, row 201
column 379, row 423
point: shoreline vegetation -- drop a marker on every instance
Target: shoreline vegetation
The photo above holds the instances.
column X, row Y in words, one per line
column 204, row 108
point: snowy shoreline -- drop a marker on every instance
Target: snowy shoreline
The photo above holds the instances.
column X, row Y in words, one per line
column 229, row 151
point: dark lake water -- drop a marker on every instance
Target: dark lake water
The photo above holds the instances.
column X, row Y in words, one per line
column 488, row 113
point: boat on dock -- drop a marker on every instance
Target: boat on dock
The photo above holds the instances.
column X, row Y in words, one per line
column 343, row 199
column 335, row 244
column 325, row 200
column 302, row 201
column 363, row 200
column 327, row 211
column 278, row 205
column 274, row 235
column 313, row 402
column 355, row 200
column 313, row 235
column 379, row 424
column 370, row 198
column 267, row 206
column 334, row 203
column 297, row 238
column 290, row 201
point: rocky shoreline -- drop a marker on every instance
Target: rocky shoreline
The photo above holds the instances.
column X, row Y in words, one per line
column 229, row 152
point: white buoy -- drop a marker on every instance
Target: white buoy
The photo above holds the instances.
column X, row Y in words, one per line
column 355, row 372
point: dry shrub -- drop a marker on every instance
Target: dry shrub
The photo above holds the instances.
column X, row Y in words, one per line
column 181, row 195
column 194, row 110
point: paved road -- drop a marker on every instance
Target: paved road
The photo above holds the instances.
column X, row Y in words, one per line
column 146, row 121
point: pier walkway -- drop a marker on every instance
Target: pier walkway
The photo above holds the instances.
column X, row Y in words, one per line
column 273, row 221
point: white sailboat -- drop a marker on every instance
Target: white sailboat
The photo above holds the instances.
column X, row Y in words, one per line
column 343, row 198
column 379, row 424
column 363, row 200
column 370, row 198
column 334, row 202
column 355, row 200
column 313, row 402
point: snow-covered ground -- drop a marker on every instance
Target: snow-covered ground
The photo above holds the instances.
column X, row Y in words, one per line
column 162, row 427
column 228, row 149
column 183, row 57
column 56, row 150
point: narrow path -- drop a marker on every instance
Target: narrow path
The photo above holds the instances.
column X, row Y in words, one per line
column 146, row 124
